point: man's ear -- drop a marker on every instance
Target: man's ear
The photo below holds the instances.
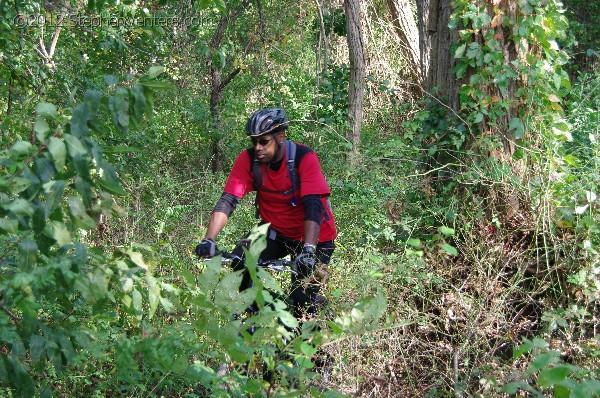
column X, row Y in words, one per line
column 281, row 137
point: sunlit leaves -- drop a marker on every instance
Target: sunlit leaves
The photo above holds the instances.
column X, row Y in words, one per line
column 57, row 231
column 41, row 127
column 74, row 146
column 58, row 150
column 46, row 109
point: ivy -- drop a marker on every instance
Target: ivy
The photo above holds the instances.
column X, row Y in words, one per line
column 512, row 65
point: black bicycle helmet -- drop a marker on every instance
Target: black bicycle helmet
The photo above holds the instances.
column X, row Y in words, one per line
column 266, row 121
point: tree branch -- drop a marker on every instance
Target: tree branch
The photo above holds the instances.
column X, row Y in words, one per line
column 10, row 313
column 63, row 13
column 229, row 78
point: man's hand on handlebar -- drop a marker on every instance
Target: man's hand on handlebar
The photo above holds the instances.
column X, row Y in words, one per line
column 207, row 248
column 306, row 260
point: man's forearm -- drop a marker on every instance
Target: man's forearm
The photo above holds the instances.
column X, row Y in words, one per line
column 311, row 232
column 218, row 220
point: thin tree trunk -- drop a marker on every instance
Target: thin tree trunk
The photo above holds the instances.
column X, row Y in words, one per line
column 406, row 28
column 356, row 87
column 321, row 55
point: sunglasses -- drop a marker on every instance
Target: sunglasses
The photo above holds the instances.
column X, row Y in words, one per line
column 260, row 140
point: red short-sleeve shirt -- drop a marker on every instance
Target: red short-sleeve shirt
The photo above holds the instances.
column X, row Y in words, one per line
column 274, row 206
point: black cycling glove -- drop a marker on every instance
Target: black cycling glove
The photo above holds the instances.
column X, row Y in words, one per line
column 305, row 262
column 207, row 248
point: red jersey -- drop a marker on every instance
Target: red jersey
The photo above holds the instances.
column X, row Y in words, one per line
column 275, row 207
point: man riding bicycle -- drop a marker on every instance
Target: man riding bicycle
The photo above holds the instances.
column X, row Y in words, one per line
column 292, row 195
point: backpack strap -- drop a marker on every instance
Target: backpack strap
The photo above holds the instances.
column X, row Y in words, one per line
column 291, row 153
column 257, row 171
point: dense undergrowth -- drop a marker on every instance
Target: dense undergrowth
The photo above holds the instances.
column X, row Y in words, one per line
column 490, row 280
column 458, row 280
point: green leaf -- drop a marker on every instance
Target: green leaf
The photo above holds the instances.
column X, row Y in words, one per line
column 74, row 146
column 375, row 259
column 58, row 150
column 28, row 250
column 84, row 189
column 252, row 387
column 288, row 319
column 21, row 207
column 153, row 295
column 157, row 84
column 9, row 225
column 516, row 124
column 20, row 184
column 167, row 305
column 571, row 160
column 554, row 375
column 446, row 231
column 21, row 148
column 335, row 328
column 137, row 303
column 111, row 188
column 415, row 253
column 36, row 347
column 307, row 349
column 127, row 285
column 155, row 71
column 449, row 249
column 511, row 388
column 591, row 387
column 41, row 127
column 46, row 109
column 66, row 347
column 53, row 191
column 523, row 349
column 57, row 231
column 227, row 294
column 20, row 379
column 137, row 259
column 111, row 80
column 304, row 362
column 473, row 50
column 220, row 5
column 542, row 361
column 80, row 215
column 414, row 242
column 460, row 50
column 44, row 169
column 78, row 126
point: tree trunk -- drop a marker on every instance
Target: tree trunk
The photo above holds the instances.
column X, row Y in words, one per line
column 356, row 87
column 435, row 38
column 406, row 28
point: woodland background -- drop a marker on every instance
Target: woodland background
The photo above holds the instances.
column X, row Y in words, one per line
column 460, row 142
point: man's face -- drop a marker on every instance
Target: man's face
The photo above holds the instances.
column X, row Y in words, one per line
column 265, row 146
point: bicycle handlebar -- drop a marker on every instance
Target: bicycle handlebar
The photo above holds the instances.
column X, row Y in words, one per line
column 275, row 265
